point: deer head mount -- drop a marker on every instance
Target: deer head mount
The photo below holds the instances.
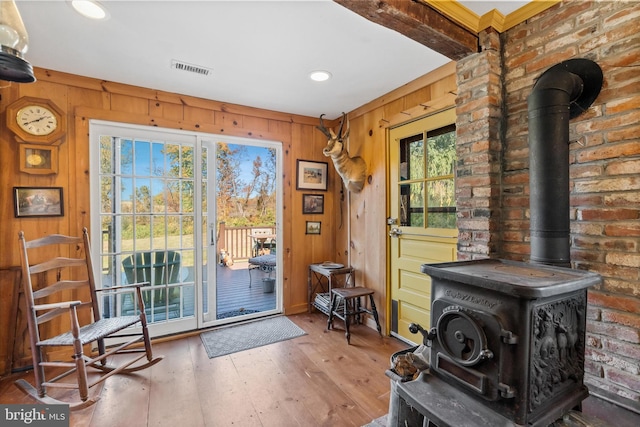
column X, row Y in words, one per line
column 352, row 170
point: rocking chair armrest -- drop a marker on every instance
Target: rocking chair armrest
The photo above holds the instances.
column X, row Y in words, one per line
column 63, row 304
column 121, row 288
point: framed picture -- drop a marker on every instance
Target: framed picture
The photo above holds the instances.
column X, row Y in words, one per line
column 38, row 201
column 313, row 227
column 38, row 159
column 312, row 203
column 311, row 175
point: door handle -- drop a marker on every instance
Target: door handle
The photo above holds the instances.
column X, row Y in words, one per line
column 395, row 232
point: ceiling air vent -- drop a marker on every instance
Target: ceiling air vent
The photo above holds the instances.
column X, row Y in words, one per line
column 179, row 65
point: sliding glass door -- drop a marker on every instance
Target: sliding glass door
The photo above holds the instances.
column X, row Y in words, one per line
column 152, row 221
column 240, row 184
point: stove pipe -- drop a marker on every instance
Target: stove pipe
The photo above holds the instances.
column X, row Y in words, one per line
column 561, row 93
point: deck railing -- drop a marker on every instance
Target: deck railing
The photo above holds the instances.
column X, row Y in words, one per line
column 237, row 241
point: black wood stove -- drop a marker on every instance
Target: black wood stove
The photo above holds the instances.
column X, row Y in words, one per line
column 506, row 344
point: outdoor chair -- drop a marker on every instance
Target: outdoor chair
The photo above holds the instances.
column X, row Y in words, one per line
column 159, row 268
column 60, row 293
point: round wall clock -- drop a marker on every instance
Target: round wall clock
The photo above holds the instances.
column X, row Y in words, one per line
column 36, row 120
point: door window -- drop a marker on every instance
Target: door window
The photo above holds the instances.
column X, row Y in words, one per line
column 426, row 179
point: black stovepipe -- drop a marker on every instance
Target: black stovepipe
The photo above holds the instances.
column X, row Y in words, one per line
column 560, row 94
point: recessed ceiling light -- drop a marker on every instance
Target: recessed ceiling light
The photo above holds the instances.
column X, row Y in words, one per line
column 90, row 8
column 320, row 75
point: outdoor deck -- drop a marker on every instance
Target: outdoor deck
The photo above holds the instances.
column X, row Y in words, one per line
column 234, row 294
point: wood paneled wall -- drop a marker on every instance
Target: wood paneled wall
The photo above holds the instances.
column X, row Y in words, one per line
column 360, row 218
column 83, row 99
column 353, row 225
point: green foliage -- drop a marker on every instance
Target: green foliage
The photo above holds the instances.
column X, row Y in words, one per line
column 245, row 201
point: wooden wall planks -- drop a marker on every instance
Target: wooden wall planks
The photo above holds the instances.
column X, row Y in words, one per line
column 353, row 226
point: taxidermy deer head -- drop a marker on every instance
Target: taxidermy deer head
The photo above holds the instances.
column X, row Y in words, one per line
column 352, row 170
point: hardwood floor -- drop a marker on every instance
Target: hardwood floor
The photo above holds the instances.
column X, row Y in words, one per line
column 313, row 380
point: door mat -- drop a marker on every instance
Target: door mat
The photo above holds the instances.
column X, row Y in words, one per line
column 220, row 342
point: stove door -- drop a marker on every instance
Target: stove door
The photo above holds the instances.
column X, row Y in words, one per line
column 468, row 349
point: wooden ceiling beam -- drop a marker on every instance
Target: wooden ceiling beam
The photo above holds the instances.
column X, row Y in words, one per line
column 419, row 22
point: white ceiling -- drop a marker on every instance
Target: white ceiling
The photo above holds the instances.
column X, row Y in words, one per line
column 261, row 52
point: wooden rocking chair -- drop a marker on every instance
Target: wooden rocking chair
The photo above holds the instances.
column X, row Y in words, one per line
column 64, row 287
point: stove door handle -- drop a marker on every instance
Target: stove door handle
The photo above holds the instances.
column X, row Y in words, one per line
column 506, row 391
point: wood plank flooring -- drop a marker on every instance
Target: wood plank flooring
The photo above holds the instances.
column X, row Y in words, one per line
column 313, row 380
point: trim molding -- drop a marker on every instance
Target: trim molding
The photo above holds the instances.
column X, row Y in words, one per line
column 472, row 21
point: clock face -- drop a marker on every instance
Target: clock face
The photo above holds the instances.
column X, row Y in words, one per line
column 37, row 120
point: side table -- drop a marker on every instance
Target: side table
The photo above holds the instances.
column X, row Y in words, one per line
column 321, row 280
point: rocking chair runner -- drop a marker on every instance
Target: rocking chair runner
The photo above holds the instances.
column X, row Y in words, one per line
column 66, row 277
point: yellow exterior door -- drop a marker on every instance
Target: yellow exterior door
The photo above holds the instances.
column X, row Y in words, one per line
column 422, row 217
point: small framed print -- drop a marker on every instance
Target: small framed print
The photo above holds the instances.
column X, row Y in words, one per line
column 38, row 159
column 313, row 227
column 38, row 201
column 312, row 204
column 311, row 175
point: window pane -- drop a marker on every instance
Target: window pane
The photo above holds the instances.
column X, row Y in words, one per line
column 441, row 212
column 412, row 205
column 126, row 189
column 143, row 158
column 441, row 146
column 143, row 232
column 187, row 196
column 126, row 157
column 172, row 153
column 159, row 228
column 106, row 155
column 187, row 162
column 412, row 158
column 143, row 195
column 106, row 194
column 157, row 159
column 173, row 196
column 158, row 196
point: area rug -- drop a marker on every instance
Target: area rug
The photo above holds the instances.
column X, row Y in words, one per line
column 220, row 342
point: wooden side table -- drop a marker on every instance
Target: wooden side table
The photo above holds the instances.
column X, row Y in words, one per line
column 320, row 282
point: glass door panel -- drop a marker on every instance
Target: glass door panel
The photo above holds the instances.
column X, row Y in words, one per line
column 153, row 221
column 145, row 219
column 241, row 176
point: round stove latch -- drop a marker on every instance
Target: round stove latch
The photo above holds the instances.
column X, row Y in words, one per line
column 461, row 337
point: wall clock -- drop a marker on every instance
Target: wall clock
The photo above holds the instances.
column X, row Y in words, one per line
column 36, row 120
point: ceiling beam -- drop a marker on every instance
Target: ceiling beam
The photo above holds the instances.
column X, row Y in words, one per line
column 419, row 22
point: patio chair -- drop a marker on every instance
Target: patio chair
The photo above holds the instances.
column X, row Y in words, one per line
column 60, row 291
column 159, row 268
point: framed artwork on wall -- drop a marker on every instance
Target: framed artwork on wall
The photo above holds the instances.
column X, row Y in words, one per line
column 312, row 204
column 313, row 227
column 311, row 175
column 38, row 201
column 38, row 159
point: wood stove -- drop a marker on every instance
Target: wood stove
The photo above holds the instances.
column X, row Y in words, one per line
column 506, row 344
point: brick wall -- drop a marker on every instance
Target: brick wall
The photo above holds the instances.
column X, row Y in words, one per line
column 604, row 168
